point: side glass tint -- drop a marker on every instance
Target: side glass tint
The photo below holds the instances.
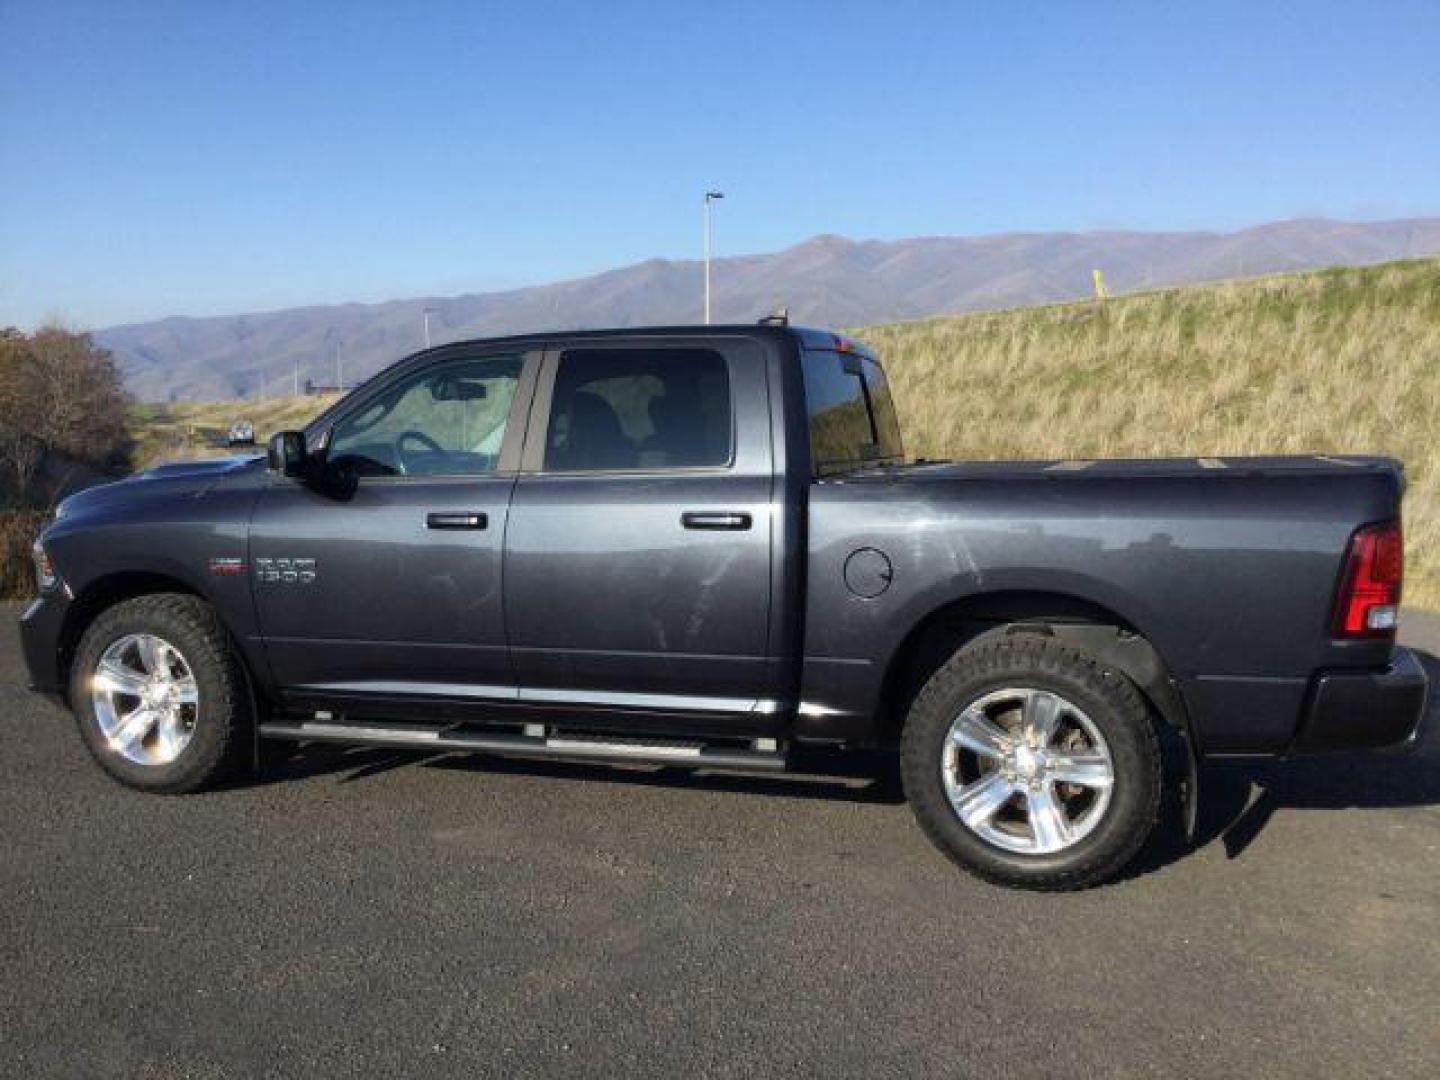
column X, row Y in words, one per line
column 639, row 409
column 840, row 431
column 447, row 420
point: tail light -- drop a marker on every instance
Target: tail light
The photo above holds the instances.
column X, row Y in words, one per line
column 1368, row 604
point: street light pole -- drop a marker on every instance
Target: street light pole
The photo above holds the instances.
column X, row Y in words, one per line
column 427, row 313
column 710, row 196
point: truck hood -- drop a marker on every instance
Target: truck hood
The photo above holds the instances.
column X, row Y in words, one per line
column 172, row 479
column 205, row 467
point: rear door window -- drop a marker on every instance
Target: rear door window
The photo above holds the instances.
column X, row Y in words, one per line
column 639, row 409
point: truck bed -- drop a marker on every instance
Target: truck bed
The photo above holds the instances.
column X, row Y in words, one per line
column 1126, row 468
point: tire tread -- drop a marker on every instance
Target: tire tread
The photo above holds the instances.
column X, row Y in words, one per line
column 1014, row 654
column 225, row 707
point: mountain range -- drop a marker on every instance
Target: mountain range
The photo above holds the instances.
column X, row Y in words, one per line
column 825, row 281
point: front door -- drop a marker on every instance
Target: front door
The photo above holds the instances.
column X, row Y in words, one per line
column 637, row 562
column 389, row 585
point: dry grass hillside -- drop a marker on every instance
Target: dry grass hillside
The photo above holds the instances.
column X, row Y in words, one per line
column 1338, row 360
column 194, row 429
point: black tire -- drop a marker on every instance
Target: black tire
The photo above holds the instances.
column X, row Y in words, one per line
column 222, row 733
column 1112, row 704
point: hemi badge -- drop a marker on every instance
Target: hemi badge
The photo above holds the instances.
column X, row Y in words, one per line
column 226, row 566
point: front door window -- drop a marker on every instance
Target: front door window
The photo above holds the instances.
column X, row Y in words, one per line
column 447, row 420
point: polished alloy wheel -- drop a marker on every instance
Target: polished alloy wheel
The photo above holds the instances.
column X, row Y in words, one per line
column 145, row 699
column 1026, row 770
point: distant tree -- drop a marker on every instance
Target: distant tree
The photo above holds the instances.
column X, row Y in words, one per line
column 61, row 398
column 20, row 447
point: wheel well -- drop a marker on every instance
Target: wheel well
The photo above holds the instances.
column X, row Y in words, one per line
column 1090, row 626
column 106, row 593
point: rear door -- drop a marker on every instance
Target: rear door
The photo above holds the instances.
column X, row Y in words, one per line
column 638, row 554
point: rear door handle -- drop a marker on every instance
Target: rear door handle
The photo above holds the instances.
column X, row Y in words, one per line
column 456, row 521
column 715, row 519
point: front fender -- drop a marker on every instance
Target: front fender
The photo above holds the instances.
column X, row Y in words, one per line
column 194, row 543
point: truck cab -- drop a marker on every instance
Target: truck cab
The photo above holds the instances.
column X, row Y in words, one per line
column 575, row 525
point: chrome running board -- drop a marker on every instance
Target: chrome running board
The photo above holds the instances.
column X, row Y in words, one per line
column 536, row 741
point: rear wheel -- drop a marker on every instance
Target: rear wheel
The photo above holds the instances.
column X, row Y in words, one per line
column 1029, row 763
column 158, row 695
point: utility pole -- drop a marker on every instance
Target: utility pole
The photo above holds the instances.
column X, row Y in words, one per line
column 710, row 197
column 428, row 311
column 297, row 374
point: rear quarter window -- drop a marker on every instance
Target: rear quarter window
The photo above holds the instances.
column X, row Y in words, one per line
column 850, row 412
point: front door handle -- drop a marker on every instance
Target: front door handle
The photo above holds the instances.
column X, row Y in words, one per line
column 715, row 519
column 465, row 520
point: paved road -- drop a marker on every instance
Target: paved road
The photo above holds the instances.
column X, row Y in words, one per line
column 374, row 913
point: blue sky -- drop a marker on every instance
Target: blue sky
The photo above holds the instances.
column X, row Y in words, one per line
column 214, row 157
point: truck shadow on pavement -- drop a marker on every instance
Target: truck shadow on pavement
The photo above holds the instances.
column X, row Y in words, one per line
column 1237, row 799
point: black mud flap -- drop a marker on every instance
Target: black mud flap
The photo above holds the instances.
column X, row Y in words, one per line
column 1192, row 788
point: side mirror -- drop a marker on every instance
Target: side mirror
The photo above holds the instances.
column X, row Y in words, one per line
column 286, row 453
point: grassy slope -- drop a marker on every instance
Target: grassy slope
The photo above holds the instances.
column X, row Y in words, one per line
column 1338, row 360
column 192, row 429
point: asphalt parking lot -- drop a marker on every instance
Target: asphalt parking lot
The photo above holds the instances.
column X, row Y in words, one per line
column 375, row 913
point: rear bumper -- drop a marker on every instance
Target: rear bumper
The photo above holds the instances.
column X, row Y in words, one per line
column 40, row 628
column 1367, row 710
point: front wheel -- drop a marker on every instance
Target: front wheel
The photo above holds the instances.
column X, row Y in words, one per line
column 158, row 695
column 1029, row 763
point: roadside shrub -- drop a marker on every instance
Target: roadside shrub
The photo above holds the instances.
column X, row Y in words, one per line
column 63, row 410
column 63, row 425
column 18, row 529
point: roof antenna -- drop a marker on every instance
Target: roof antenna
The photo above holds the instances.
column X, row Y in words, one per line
column 780, row 317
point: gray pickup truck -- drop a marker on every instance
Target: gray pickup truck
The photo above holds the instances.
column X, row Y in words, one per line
column 703, row 546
